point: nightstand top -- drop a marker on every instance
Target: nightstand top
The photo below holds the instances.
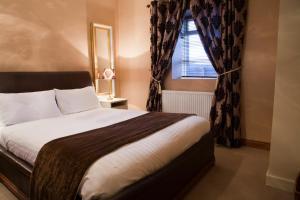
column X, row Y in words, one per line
column 114, row 100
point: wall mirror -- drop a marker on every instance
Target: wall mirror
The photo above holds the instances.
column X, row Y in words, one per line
column 103, row 59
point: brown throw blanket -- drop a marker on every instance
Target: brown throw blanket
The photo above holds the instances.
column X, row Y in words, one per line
column 62, row 163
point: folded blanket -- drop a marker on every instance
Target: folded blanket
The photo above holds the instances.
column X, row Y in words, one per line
column 62, row 163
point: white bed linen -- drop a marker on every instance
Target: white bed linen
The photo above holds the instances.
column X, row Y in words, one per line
column 116, row 170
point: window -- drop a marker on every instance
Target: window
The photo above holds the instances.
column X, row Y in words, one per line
column 190, row 59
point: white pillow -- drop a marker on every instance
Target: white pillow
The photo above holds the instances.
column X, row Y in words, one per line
column 76, row 100
column 22, row 107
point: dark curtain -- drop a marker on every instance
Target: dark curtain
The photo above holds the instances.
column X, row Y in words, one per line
column 221, row 26
column 166, row 22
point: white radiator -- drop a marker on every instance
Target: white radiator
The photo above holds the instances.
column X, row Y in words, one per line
column 187, row 102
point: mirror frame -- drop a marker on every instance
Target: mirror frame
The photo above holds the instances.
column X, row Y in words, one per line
column 109, row 29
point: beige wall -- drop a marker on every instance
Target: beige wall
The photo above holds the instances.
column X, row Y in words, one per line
column 101, row 11
column 285, row 160
column 49, row 36
column 133, row 51
column 258, row 73
column 43, row 36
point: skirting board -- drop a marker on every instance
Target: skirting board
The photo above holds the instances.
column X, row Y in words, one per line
column 256, row 144
column 280, row 182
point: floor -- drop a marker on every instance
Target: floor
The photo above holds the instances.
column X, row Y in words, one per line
column 239, row 174
column 5, row 194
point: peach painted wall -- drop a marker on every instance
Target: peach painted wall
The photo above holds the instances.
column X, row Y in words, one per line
column 133, row 51
column 284, row 165
column 258, row 73
column 101, row 11
column 51, row 36
column 43, row 35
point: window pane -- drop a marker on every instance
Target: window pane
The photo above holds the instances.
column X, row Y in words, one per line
column 190, row 58
column 191, row 25
column 195, row 60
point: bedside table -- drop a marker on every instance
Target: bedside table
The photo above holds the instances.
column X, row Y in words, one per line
column 119, row 103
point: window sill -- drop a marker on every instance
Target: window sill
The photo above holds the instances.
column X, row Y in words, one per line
column 196, row 78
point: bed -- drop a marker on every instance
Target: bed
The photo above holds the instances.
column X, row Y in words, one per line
column 168, row 181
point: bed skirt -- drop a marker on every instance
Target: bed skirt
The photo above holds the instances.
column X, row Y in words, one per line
column 170, row 182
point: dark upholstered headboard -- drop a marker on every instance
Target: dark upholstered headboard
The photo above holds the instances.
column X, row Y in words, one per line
column 16, row 82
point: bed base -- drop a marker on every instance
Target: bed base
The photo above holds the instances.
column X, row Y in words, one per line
column 14, row 174
column 171, row 182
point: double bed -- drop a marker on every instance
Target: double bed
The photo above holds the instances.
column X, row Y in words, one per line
column 159, row 166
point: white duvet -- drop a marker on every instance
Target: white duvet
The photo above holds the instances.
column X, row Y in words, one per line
column 116, row 170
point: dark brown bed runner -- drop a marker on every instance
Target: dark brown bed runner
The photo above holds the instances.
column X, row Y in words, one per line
column 62, row 163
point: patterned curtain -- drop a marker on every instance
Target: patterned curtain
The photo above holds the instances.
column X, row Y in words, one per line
column 221, row 26
column 166, row 22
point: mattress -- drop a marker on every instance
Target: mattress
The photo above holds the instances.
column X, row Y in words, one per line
column 116, row 170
